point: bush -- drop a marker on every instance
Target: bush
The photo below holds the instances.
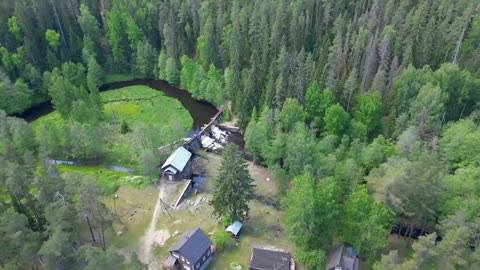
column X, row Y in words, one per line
column 221, row 239
column 124, row 128
column 313, row 259
column 227, row 221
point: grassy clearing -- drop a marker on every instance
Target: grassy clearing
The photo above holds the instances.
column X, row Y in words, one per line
column 111, row 78
column 141, row 104
column 110, row 180
column 134, row 208
column 137, row 105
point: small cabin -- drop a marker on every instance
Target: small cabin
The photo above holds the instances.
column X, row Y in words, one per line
column 193, row 251
column 178, row 165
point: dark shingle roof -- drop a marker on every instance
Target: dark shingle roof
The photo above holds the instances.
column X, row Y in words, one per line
column 192, row 245
column 341, row 257
column 334, row 257
column 266, row 259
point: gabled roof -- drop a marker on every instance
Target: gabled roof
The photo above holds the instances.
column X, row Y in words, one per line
column 178, row 159
column 340, row 256
column 235, row 227
column 192, row 245
column 335, row 257
column 267, row 259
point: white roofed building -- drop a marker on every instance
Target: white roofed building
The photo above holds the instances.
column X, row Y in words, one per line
column 178, row 165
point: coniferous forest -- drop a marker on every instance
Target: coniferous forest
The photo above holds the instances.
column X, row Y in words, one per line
column 367, row 113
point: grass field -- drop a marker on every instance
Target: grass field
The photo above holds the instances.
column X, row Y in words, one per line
column 137, row 105
column 141, row 104
column 108, row 179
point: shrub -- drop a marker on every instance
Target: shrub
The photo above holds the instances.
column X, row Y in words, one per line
column 221, row 239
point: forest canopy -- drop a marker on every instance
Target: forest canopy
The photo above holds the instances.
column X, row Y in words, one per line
column 355, row 106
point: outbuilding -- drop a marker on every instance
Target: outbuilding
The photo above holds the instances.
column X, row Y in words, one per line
column 271, row 259
column 178, row 165
column 235, row 228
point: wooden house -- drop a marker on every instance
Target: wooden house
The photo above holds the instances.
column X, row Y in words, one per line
column 178, row 165
column 342, row 258
column 193, row 251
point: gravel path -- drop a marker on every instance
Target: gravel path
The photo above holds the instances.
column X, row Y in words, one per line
column 145, row 249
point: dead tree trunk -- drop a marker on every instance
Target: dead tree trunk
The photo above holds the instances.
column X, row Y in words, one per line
column 91, row 230
column 462, row 35
column 59, row 24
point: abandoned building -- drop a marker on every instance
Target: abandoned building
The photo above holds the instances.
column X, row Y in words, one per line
column 178, row 165
column 342, row 258
column 193, row 251
column 271, row 259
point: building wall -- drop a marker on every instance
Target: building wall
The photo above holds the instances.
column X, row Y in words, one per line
column 193, row 265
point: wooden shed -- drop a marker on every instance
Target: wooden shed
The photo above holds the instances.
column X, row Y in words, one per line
column 178, row 165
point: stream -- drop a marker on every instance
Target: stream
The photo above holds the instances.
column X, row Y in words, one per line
column 201, row 111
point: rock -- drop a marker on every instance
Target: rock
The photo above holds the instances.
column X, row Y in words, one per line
column 115, row 196
column 177, row 221
column 119, row 233
column 175, row 233
column 268, row 179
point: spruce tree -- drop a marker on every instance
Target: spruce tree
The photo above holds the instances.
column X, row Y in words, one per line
column 233, row 186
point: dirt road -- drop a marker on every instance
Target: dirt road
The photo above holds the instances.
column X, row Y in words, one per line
column 146, row 244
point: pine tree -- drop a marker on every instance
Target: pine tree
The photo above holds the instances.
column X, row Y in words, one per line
column 94, row 75
column 233, row 186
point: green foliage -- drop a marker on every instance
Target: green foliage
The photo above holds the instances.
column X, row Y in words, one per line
column 309, row 212
column 221, row 239
column 463, row 193
column 336, row 120
column 95, row 75
column 53, row 38
column 299, row 151
column 368, row 110
column 187, row 72
column 313, row 259
column 291, row 114
column 460, row 143
column 117, row 40
column 149, row 164
column 171, row 71
column 162, row 65
column 19, row 241
column 373, row 219
column 377, row 152
column 392, row 182
column 233, row 186
column 14, row 28
column 145, row 60
column 124, row 128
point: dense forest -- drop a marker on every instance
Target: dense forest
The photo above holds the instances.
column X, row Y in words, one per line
column 366, row 111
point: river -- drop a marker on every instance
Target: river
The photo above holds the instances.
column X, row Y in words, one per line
column 200, row 111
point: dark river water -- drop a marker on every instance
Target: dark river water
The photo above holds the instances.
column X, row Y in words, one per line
column 200, row 111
